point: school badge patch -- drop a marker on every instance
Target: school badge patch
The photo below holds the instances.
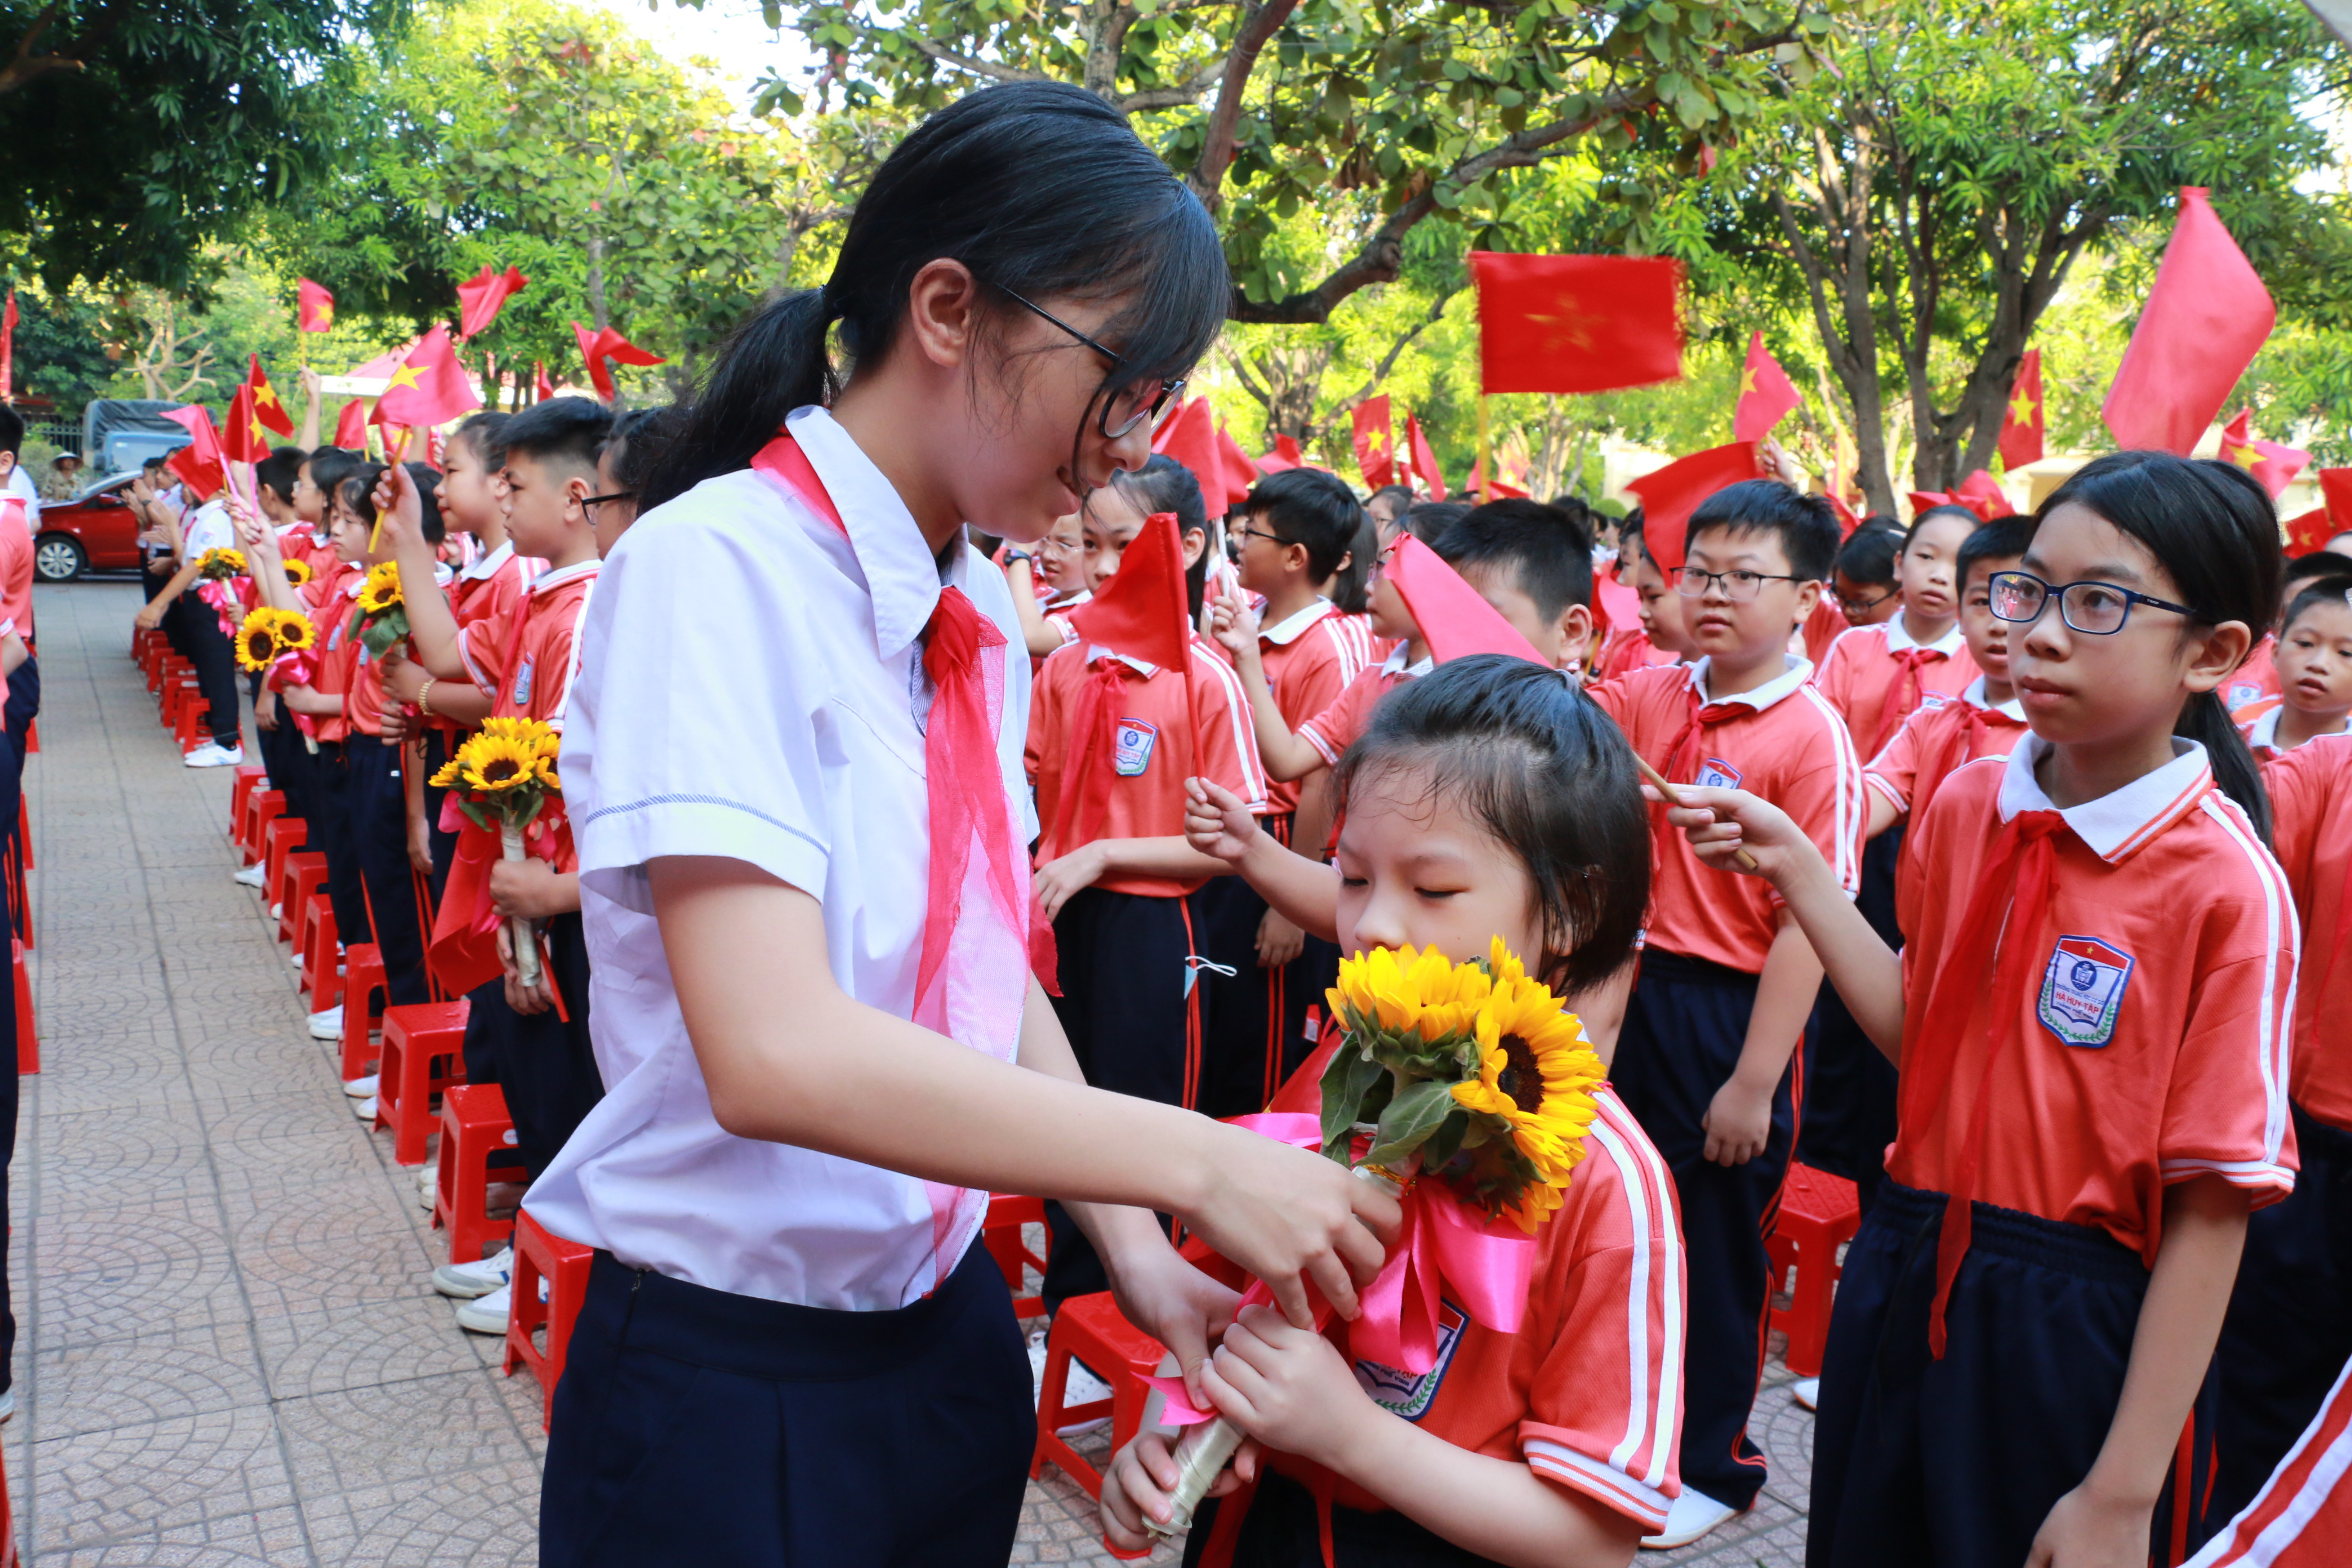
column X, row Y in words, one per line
column 1131, row 752
column 2083, row 990
column 1402, row 1393
column 1714, row 773
column 522, row 685
column 2243, row 692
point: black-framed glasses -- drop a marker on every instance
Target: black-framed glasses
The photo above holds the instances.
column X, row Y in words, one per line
column 1245, row 532
column 1126, row 407
column 1863, row 607
column 588, row 502
column 2095, row 609
column 1740, row 587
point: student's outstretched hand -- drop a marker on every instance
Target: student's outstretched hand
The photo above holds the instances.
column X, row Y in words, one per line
column 1140, row 1477
column 397, row 505
column 1288, row 1387
column 1232, row 622
column 1719, row 823
column 1160, row 1291
column 1217, row 821
column 1288, row 1216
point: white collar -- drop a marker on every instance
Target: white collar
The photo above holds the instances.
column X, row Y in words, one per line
column 1096, row 650
column 489, row 564
column 2122, row 821
column 1900, row 641
column 901, row 575
column 556, row 576
column 1071, row 602
column 1288, row 632
column 2262, row 733
column 1799, row 671
column 1973, row 694
column 1395, row 665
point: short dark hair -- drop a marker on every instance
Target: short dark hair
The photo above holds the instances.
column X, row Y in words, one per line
column 2319, row 590
column 1309, row 506
column 1948, row 509
column 1546, row 772
column 1868, row 556
column 1805, row 524
column 480, row 434
column 331, row 466
column 356, row 489
column 559, row 430
column 12, row 429
column 2002, row 539
column 1548, row 551
column 279, row 471
column 1401, row 492
column 1350, row 584
column 2318, row 564
column 634, row 444
column 427, row 480
column 1164, row 484
column 1425, row 520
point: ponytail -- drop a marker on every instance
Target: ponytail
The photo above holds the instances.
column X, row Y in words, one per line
column 2214, row 530
column 773, row 363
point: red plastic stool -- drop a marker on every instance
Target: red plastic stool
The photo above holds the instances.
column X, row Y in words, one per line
column 261, row 807
column 362, row 982
column 300, row 875
column 28, row 1039
column 278, row 836
column 538, row 1254
column 1818, row 1213
column 423, row 1054
column 244, row 780
column 188, row 714
column 323, row 954
column 476, row 1134
column 1089, row 1329
column 1000, row 1233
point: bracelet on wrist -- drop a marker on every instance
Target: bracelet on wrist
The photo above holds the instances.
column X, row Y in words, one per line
column 424, row 699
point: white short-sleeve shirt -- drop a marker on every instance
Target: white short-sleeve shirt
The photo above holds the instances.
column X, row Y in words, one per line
column 209, row 527
column 751, row 686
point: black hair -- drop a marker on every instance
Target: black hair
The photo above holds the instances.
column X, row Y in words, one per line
column 1399, row 493
column 1805, row 524
column 428, row 479
column 1967, row 514
column 2213, row 529
column 480, row 432
column 560, row 430
column 331, row 466
column 356, row 489
column 1548, row 551
column 1349, row 586
column 2315, row 564
column 1041, row 190
column 151, row 464
column 635, row 444
column 1309, row 506
column 1425, row 520
column 1545, row 771
column 2319, row 590
column 1868, row 556
column 279, row 471
column 1164, row 484
column 12, row 429
column 2002, row 539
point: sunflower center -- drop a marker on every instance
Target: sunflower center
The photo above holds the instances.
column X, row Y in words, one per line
column 499, row 772
column 257, row 643
column 1522, row 1075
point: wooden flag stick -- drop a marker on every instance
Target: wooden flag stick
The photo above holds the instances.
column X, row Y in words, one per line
column 1486, row 452
column 1658, row 782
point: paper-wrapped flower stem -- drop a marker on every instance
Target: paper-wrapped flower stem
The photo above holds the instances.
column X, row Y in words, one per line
column 520, row 931
column 1206, row 1449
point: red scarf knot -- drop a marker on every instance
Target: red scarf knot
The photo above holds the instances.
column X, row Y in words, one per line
column 1904, row 692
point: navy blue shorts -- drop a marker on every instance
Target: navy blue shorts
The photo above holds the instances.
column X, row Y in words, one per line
column 1255, row 1029
column 695, row 1426
column 1957, row 1462
column 1850, row 1096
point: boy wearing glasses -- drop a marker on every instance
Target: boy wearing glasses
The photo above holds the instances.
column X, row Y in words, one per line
column 1707, row 1058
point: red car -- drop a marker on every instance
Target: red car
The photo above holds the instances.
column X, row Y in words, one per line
column 93, row 531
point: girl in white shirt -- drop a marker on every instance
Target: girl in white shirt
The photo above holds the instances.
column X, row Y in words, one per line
column 793, row 767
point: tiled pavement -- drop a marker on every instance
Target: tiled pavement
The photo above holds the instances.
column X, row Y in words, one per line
column 227, row 1349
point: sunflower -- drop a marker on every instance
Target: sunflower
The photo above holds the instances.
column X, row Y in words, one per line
column 295, row 632
column 1407, row 990
column 256, row 641
column 536, row 735
column 297, row 571
column 381, row 591
column 447, row 777
column 496, row 764
column 1536, row 1074
column 221, row 563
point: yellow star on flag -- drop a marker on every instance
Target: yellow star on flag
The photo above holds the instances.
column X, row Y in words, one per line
column 266, row 394
column 260, row 431
column 326, row 319
column 1746, row 379
column 404, row 376
column 1566, row 329
column 2247, row 458
column 1379, row 443
column 2021, row 407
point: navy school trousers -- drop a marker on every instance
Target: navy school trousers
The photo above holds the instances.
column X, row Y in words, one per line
column 1132, row 1022
column 1281, row 1531
column 543, row 1063
column 1850, row 1100
column 1956, row 1463
column 205, row 645
column 327, row 830
column 12, row 786
column 1683, row 1029
column 2289, row 1332
column 377, row 815
column 1255, row 1027
column 695, row 1426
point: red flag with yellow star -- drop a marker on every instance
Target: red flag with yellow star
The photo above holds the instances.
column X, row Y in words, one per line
column 1669, row 496
column 314, row 308
column 430, row 386
column 1577, row 323
column 2206, row 318
column 597, row 348
column 2022, row 425
column 2273, row 465
column 265, row 406
column 351, row 425
column 479, row 299
column 1423, row 461
column 1767, row 395
column 242, row 438
column 1375, row 434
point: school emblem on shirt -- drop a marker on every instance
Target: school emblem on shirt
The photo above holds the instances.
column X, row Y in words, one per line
column 1933, row 699
column 522, row 685
column 1402, row 1393
column 1131, row 752
column 2083, row 990
column 1714, row 773
column 2243, row 692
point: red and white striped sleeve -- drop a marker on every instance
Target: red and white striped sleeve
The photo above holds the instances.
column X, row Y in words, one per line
column 2303, row 1516
column 1605, row 1407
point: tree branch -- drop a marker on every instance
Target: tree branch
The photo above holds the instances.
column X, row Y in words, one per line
column 1387, row 362
column 1173, row 97
column 992, row 69
column 1257, row 30
column 25, row 65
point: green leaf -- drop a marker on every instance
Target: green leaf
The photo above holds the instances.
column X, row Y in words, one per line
column 1347, row 1077
column 1410, row 1118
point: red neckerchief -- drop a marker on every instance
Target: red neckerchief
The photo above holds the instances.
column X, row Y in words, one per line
column 1905, row 691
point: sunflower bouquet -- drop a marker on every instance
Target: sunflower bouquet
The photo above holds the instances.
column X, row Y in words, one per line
column 380, row 619
column 298, row 570
column 267, row 634
column 218, row 565
column 503, row 778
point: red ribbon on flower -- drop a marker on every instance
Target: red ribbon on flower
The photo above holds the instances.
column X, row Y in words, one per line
column 1444, row 1246
column 296, row 667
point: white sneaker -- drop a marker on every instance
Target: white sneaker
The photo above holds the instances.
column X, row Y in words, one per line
column 7, row 1405
column 485, row 1314
column 278, row 911
column 428, row 1186
column 1807, row 1393
column 252, row 875
column 468, row 1280
column 360, row 1088
column 212, row 755
column 1037, row 1366
column 365, row 1109
column 326, row 1023
column 1692, row 1515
